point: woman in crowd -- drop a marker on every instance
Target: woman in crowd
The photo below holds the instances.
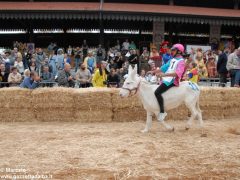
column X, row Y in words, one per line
column 14, row 77
column 32, row 66
column 113, row 79
column 19, row 65
column 211, row 67
column 201, row 67
column 100, row 76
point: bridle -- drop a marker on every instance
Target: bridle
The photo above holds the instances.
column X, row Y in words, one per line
column 135, row 89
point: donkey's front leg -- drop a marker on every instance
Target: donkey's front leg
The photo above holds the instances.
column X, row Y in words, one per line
column 148, row 122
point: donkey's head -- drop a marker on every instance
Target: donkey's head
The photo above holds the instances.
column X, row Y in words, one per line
column 131, row 84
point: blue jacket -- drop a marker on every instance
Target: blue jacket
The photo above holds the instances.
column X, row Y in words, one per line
column 28, row 83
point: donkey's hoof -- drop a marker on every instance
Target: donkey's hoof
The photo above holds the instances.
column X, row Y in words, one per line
column 187, row 128
column 144, row 131
column 173, row 129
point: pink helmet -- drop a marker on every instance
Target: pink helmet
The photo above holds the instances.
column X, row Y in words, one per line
column 179, row 47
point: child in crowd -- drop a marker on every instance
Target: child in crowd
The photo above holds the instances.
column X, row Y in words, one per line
column 193, row 72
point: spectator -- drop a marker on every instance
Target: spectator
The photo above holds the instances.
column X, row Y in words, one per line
column 113, row 79
column 27, row 59
column 84, row 49
column 14, row 77
column 133, row 59
column 52, row 62
column 222, row 67
column 40, row 57
column 118, row 46
column 50, row 46
column 47, row 77
column 65, row 78
column 19, row 65
column 233, row 66
column 144, row 60
column 143, row 74
column 121, row 75
column 201, row 67
column 125, row 45
column 3, row 76
column 90, row 62
column 118, row 60
column 78, row 53
column 32, row 66
column 211, row 67
column 166, row 57
column 100, row 55
column 155, row 57
column 6, row 60
column 59, row 59
column 100, row 76
column 31, row 82
column 70, row 51
column 132, row 45
column 67, row 59
column 193, row 73
column 84, row 76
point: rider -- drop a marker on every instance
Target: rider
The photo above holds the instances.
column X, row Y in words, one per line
column 171, row 74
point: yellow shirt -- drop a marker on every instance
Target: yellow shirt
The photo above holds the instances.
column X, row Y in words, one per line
column 98, row 80
column 194, row 77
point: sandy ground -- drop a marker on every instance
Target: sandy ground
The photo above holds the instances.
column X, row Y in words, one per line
column 121, row 151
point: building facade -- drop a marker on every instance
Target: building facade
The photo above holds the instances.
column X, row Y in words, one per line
column 69, row 22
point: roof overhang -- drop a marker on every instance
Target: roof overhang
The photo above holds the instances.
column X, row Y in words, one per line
column 114, row 11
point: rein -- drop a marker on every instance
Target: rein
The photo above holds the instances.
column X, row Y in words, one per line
column 134, row 89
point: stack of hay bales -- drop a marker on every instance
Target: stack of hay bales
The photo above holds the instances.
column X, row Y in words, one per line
column 103, row 105
column 127, row 109
column 16, row 105
column 93, row 105
column 53, row 104
column 220, row 103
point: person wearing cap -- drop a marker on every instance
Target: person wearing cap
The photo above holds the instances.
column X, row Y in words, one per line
column 233, row 66
column 171, row 74
column 100, row 76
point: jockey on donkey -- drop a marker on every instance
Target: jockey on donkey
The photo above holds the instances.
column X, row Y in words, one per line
column 170, row 94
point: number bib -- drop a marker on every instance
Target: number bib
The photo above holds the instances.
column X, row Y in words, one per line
column 171, row 69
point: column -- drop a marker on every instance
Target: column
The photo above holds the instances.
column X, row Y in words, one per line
column 171, row 2
column 214, row 35
column 236, row 2
column 158, row 33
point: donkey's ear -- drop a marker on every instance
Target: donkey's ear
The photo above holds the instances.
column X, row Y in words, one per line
column 130, row 69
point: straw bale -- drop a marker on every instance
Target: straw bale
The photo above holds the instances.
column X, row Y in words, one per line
column 94, row 115
column 104, row 105
column 16, row 115
column 53, row 104
column 13, row 98
column 92, row 99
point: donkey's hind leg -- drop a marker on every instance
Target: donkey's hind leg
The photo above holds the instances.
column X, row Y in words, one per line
column 194, row 112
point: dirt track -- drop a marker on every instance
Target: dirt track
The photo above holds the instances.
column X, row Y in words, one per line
column 121, row 151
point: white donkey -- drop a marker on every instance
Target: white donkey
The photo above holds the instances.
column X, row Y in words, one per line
column 187, row 93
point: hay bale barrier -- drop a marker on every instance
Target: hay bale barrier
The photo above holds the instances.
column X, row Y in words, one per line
column 103, row 105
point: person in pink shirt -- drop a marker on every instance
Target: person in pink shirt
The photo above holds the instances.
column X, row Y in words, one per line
column 171, row 74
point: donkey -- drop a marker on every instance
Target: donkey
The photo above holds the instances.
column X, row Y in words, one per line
column 187, row 93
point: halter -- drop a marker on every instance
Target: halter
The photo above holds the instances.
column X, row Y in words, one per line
column 133, row 89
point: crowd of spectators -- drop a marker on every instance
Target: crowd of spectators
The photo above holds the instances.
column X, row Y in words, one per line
column 85, row 66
